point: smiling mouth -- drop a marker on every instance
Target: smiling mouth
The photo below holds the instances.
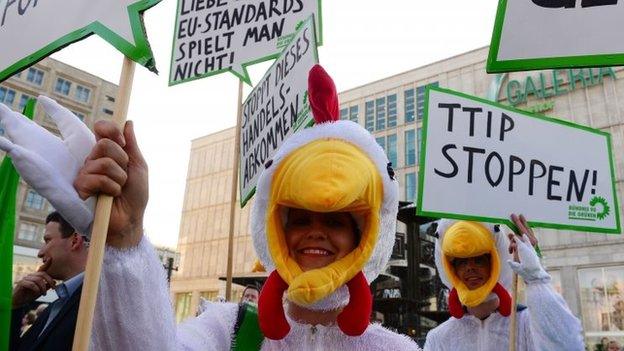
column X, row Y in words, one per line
column 316, row 252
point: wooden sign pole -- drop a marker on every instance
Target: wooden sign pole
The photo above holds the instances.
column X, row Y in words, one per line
column 93, row 269
column 235, row 162
column 513, row 318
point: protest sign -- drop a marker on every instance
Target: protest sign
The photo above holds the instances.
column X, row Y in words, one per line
column 539, row 34
column 277, row 107
column 31, row 30
column 215, row 36
column 483, row 161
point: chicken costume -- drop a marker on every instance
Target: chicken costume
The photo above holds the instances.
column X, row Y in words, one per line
column 546, row 323
column 334, row 166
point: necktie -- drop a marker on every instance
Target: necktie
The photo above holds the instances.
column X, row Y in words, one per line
column 61, row 291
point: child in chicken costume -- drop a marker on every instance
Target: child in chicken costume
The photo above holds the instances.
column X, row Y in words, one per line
column 545, row 323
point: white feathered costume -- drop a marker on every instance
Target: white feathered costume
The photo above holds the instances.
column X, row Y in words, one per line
column 546, row 324
column 133, row 310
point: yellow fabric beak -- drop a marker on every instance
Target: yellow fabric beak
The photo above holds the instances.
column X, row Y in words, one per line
column 470, row 239
column 324, row 176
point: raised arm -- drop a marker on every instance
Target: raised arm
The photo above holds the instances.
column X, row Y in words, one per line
column 134, row 311
column 552, row 324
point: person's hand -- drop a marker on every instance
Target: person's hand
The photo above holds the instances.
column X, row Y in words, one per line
column 32, row 286
column 50, row 164
column 529, row 267
column 523, row 228
column 116, row 167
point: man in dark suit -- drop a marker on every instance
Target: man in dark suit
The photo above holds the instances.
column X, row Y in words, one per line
column 64, row 256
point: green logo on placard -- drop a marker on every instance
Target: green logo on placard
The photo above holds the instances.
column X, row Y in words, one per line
column 598, row 209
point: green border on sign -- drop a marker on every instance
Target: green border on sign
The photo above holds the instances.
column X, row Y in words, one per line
column 301, row 125
column 245, row 78
column 494, row 65
column 141, row 53
column 507, row 221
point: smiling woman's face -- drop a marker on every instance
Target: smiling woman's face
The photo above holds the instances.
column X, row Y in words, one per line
column 317, row 239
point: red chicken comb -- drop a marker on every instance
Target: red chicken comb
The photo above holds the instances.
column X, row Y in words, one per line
column 322, row 95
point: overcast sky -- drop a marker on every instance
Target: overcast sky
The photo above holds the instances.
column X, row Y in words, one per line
column 363, row 41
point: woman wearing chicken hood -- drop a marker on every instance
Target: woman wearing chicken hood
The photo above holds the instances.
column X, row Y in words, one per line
column 323, row 225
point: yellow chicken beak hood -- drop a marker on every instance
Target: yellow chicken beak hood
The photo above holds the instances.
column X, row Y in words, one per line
column 465, row 239
column 334, row 166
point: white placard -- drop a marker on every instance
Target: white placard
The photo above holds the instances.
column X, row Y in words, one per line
column 31, row 30
column 484, row 161
column 538, row 34
column 277, row 107
column 215, row 36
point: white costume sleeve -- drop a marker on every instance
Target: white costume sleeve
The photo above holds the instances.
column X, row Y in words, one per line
column 134, row 312
column 552, row 324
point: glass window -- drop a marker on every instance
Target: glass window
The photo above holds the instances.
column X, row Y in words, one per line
column 108, row 112
column 369, row 116
column 183, row 306
column 410, row 187
column 110, row 98
column 79, row 115
column 418, row 139
column 35, row 76
column 409, row 105
column 209, row 295
column 27, row 232
column 62, row 86
column 555, row 281
column 344, row 113
column 391, row 150
column 602, row 302
column 380, row 113
column 34, row 200
column 392, row 110
column 23, row 101
column 353, row 113
column 82, row 93
column 7, row 96
column 410, row 147
column 382, row 142
column 420, row 98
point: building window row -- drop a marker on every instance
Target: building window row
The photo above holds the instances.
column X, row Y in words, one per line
column 63, row 87
column 7, row 96
column 414, row 100
column 35, row 76
column 34, row 200
column 79, row 115
column 410, row 187
column 389, row 145
column 369, row 116
column 28, row 232
column 83, row 94
column 412, row 146
column 23, row 101
column 349, row 113
column 382, row 113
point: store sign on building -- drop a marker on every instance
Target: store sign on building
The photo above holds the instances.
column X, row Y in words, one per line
column 545, row 85
column 276, row 107
column 483, row 161
column 541, row 34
